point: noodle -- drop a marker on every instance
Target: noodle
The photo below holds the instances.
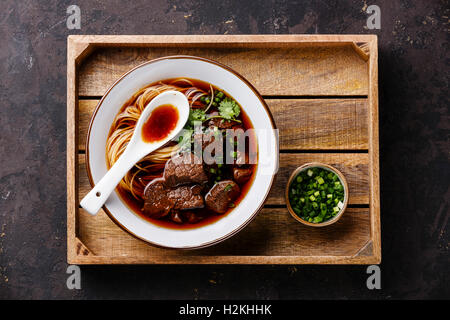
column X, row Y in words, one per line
column 123, row 126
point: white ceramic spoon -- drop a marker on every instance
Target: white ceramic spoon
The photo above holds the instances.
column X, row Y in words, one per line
column 137, row 149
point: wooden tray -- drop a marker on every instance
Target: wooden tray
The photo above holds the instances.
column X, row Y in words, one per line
column 323, row 93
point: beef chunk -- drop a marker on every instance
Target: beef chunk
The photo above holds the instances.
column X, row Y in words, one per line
column 157, row 204
column 182, row 169
column 221, row 195
column 187, row 197
column 242, row 175
column 160, row 199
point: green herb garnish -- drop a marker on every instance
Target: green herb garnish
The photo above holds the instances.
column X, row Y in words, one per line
column 196, row 115
column 229, row 109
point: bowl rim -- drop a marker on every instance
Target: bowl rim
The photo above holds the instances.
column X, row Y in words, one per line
column 326, row 167
column 248, row 84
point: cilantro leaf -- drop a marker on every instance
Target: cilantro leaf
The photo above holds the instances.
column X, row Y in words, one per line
column 229, row 109
column 196, row 115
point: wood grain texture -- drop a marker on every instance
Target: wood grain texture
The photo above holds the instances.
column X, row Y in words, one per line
column 321, row 124
column 304, row 124
column 228, row 259
column 300, row 71
column 316, row 65
column 81, row 249
column 374, row 157
column 219, row 40
column 72, row 151
column 272, row 233
column 354, row 166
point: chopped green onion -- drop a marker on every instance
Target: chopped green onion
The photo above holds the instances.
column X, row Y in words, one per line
column 316, row 195
column 317, row 219
column 219, row 95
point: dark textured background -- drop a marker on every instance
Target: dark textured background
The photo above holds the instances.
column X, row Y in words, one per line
column 414, row 145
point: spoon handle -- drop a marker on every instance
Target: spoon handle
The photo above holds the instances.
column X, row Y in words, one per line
column 97, row 197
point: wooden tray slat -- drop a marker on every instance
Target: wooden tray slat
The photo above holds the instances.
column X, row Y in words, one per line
column 337, row 70
column 326, row 124
column 353, row 165
column 272, row 233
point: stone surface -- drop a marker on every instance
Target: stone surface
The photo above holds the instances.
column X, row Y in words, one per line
column 414, row 145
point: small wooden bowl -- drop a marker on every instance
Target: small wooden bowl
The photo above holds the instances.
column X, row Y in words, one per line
column 326, row 167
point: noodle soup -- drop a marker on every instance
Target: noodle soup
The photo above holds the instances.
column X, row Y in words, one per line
column 177, row 186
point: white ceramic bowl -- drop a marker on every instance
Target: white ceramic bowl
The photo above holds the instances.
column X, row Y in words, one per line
column 222, row 77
